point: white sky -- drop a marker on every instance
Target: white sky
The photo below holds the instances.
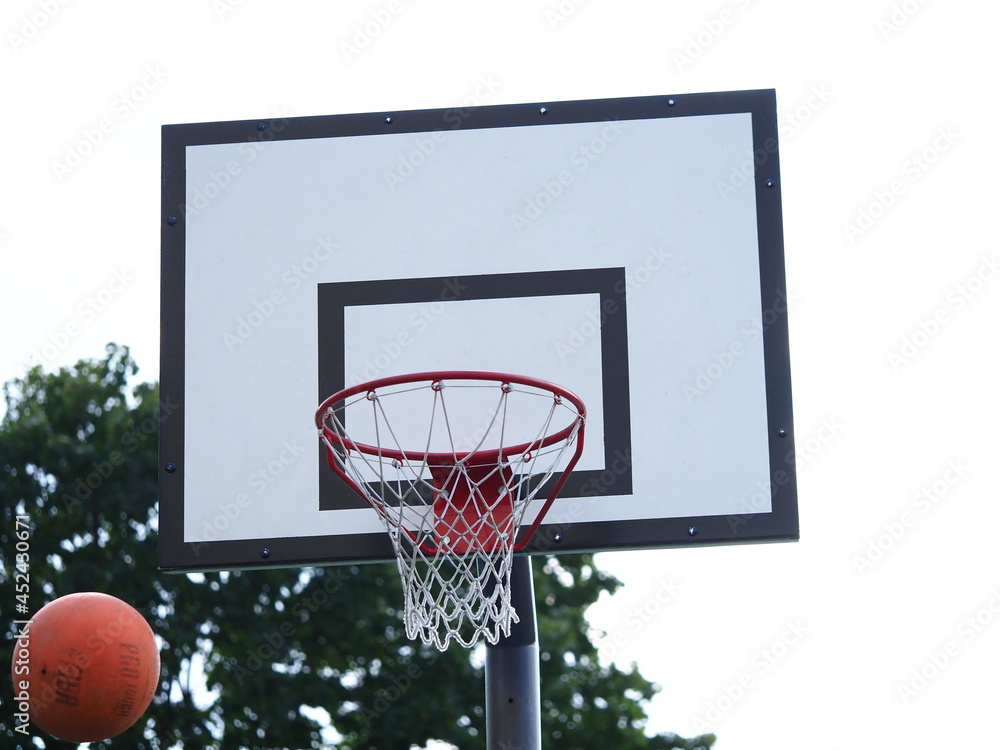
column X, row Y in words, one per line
column 783, row 646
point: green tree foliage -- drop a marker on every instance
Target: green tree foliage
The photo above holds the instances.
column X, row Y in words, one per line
column 247, row 657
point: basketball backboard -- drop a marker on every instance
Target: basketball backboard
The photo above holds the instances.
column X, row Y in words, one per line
column 629, row 250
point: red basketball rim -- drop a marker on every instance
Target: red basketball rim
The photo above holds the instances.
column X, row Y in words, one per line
column 447, row 458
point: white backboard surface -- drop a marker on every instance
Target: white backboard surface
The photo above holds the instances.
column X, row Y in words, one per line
column 629, row 250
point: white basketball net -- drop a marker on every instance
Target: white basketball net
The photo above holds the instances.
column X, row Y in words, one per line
column 453, row 502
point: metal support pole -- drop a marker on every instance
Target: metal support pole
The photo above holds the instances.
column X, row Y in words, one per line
column 513, row 692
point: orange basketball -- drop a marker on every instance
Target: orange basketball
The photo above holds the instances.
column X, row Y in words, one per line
column 87, row 665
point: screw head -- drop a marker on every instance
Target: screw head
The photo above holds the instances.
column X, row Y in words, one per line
column 782, row 432
column 770, row 183
column 170, row 468
column 557, row 537
column 692, row 531
column 261, row 126
column 543, row 111
column 671, row 102
column 265, row 553
column 388, row 119
column 171, row 220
